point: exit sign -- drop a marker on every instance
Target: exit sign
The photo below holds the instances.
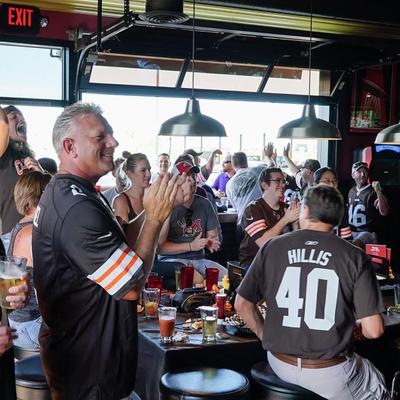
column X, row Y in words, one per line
column 19, row 19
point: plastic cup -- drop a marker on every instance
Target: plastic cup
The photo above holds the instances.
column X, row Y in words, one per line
column 11, row 274
column 167, row 319
column 396, row 289
column 209, row 320
column 187, row 272
column 221, row 300
column 151, row 298
column 211, row 278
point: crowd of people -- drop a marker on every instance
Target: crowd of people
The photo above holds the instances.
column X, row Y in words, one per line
column 90, row 251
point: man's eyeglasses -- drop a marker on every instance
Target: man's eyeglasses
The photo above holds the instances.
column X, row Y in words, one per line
column 188, row 217
column 277, row 181
column 226, row 162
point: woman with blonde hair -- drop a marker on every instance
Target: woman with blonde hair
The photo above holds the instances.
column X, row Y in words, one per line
column 27, row 193
column 133, row 176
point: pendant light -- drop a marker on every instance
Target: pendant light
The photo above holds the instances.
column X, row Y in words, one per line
column 192, row 122
column 309, row 126
column 389, row 135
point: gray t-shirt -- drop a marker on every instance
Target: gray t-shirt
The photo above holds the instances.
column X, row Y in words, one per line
column 187, row 223
column 243, row 188
column 315, row 285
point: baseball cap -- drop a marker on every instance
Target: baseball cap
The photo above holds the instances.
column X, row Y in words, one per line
column 192, row 152
column 311, row 164
column 359, row 164
column 184, row 166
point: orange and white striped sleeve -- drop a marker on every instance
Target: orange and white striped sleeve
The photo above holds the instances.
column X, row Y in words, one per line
column 254, row 222
column 118, row 270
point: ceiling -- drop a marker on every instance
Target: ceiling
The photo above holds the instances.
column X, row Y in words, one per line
column 346, row 34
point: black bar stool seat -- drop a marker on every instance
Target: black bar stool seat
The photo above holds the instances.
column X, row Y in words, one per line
column 204, row 384
column 30, row 380
column 274, row 388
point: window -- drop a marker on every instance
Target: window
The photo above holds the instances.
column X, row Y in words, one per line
column 225, row 76
column 122, row 69
column 136, row 122
column 31, row 72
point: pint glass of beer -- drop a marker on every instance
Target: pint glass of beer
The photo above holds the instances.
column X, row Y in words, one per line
column 11, row 274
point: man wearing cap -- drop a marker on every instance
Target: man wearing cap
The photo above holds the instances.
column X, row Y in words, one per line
column 367, row 205
column 304, row 174
column 205, row 170
column 192, row 227
column 16, row 159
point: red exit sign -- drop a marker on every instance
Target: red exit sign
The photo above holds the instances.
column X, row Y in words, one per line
column 19, row 19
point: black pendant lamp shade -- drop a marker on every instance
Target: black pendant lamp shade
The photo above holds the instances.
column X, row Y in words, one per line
column 192, row 123
column 309, row 127
column 389, row 135
column 164, row 12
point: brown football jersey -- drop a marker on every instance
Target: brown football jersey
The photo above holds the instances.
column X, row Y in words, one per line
column 258, row 217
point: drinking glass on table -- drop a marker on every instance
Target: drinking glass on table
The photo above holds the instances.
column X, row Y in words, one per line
column 187, row 273
column 155, row 281
column 12, row 270
column 211, row 278
column 151, row 298
column 167, row 319
column 209, row 320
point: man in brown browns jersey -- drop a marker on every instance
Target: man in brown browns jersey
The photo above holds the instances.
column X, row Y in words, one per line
column 316, row 286
column 366, row 204
column 266, row 217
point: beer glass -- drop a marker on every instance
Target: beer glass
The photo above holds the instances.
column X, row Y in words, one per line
column 209, row 319
column 11, row 274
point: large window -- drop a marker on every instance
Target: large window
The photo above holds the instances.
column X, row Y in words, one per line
column 136, row 121
column 31, row 72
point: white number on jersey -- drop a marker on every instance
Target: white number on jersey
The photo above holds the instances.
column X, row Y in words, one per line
column 357, row 215
column 288, row 296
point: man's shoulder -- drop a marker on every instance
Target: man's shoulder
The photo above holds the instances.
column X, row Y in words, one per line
column 65, row 191
column 201, row 201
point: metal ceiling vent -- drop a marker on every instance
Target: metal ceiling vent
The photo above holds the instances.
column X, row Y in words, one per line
column 164, row 12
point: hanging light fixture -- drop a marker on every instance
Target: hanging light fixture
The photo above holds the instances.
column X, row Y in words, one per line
column 389, row 135
column 192, row 122
column 308, row 126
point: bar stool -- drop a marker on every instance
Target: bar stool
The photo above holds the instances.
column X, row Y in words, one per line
column 21, row 353
column 204, row 384
column 30, row 380
column 274, row 388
